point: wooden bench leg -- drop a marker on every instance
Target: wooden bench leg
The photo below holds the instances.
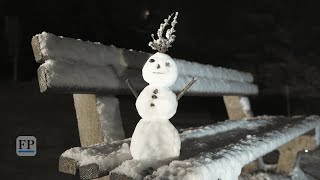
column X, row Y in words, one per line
column 238, row 107
column 98, row 119
column 289, row 152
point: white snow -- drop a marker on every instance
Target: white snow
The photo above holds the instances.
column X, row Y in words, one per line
column 245, row 103
column 61, row 74
column 223, row 126
column 107, row 155
column 109, row 115
column 230, row 161
column 214, row 86
column 198, row 70
column 77, row 51
column 137, row 169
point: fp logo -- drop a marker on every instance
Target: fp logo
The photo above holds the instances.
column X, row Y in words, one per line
column 26, row 146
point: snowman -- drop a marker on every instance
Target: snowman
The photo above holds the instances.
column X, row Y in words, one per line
column 155, row 138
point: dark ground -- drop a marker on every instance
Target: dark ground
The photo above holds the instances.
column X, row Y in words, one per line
column 277, row 41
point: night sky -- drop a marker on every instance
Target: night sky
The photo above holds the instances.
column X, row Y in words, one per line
column 230, row 34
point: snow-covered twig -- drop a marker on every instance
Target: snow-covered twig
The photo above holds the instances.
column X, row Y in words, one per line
column 134, row 92
column 162, row 44
column 184, row 90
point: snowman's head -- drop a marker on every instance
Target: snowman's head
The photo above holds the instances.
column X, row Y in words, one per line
column 160, row 69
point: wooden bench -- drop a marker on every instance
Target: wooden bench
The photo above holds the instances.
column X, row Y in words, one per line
column 95, row 74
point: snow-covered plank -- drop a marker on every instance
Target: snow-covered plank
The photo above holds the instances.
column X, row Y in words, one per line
column 70, row 78
column 48, row 46
column 195, row 69
column 222, row 156
column 209, row 87
column 96, row 160
column 64, row 77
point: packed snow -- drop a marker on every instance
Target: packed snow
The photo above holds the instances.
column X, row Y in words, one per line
column 107, row 155
column 223, row 127
column 110, row 120
column 195, row 69
column 214, row 86
column 77, row 51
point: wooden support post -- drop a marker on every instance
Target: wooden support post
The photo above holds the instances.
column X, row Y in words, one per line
column 98, row 119
column 236, row 107
column 289, row 152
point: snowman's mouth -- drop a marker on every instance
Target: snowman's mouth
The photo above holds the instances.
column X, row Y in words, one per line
column 158, row 72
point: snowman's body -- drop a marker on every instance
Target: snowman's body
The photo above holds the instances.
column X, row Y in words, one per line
column 154, row 137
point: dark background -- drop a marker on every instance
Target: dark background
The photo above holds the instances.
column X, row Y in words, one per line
column 276, row 41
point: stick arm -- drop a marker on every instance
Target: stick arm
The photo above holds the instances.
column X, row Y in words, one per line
column 185, row 89
column 134, row 92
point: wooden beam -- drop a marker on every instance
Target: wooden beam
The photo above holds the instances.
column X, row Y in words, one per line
column 68, row 165
column 88, row 119
column 99, row 119
column 289, row 152
column 36, row 49
column 235, row 109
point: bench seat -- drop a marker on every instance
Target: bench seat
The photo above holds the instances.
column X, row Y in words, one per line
column 211, row 152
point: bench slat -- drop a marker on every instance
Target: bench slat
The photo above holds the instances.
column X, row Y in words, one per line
column 48, row 46
column 63, row 77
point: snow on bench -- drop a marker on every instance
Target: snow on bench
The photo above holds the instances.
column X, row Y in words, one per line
column 95, row 73
column 71, row 65
column 211, row 152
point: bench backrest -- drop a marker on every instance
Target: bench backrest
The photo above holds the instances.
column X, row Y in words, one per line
column 95, row 73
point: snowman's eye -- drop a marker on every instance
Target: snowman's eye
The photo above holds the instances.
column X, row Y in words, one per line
column 151, row 60
column 168, row 64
